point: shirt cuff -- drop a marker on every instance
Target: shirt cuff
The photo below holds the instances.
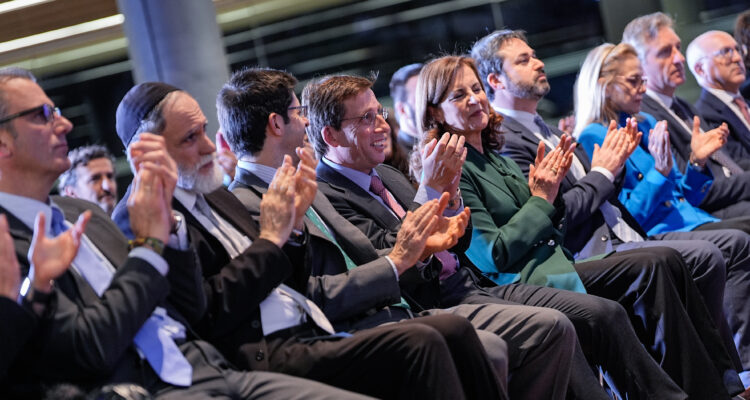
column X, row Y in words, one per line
column 395, row 271
column 604, row 172
column 152, row 258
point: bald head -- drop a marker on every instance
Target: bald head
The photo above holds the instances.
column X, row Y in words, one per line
column 716, row 61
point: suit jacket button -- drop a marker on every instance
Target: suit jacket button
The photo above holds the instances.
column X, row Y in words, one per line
column 604, row 238
column 640, row 176
column 255, row 324
column 551, row 242
column 668, row 203
column 259, row 356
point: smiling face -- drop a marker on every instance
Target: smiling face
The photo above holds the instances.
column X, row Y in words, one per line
column 626, row 90
column 187, row 142
column 465, row 107
column 358, row 144
column 33, row 145
column 95, row 182
column 664, row 64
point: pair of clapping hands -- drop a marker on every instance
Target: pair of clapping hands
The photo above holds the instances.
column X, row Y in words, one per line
column 50, row 257
column 547, row 172
column 702, row 144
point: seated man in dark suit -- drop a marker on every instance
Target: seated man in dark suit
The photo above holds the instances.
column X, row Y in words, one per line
column 658, row 48
column 597, row 222
column 257, row 312
column 51, row 258
column 717, row 62
column 742, row 36
column 246, row 105
column 336, row 100
column 115, row 315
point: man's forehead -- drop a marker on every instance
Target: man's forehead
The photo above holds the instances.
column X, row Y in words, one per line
column 362, row 101
column 183, row 110
column 22, row 93
column 514, row 47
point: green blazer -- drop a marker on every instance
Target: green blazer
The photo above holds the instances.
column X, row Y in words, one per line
column 516, row 237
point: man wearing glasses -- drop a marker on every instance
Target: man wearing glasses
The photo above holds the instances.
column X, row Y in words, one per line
column 659, row 49
column 716, row 60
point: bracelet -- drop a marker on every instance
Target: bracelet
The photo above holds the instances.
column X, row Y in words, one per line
column 455, row 200
column 156, row 244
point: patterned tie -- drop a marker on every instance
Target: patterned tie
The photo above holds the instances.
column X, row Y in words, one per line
column 447, row 259
column 545, row 131
column 376, row 186
column 155, row 339
column 743, row 108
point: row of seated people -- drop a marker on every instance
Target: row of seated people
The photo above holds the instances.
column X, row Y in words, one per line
column 299, row 273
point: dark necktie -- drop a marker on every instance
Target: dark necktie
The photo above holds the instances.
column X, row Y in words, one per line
column 681, row 112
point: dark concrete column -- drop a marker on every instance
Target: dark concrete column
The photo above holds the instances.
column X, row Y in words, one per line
column 178, row 42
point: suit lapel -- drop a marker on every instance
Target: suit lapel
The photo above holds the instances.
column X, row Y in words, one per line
column 488, row 172
column 726, row 113
column 233, row 211
column 356, row 245
column 341, row 183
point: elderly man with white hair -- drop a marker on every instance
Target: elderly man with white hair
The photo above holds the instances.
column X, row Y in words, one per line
column 716, row 60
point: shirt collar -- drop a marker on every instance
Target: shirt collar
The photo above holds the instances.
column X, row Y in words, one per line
column 361, row 179
column 723, row 95
column 264, row 172
column 186, row 197
column 26, row 209
column 524, row 118
column 665, row 100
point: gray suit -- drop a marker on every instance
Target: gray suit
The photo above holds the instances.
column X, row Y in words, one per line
column 709, row 255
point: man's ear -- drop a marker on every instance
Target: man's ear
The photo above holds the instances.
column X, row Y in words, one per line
column 6, row 144
column 329, row 136
column 275, row 123
column 494, row 81
column 69, row 191
column 399, row 107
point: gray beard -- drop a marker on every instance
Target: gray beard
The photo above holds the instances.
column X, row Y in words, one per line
column 191, row 179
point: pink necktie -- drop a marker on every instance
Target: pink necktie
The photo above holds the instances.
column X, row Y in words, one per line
column 743, row 108
column 447, row 259
column 376, row 186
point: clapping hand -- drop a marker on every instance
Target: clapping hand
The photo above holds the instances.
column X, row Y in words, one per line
column 703, row 144
column 304, row 183
column 618, row 145
column 547, row 172
column 10, row 274
column 152, row 148
column 51, row 257
column 277, row 209
column 660, row 149
column 224, row 155
column 150, row 214
column 442, row 161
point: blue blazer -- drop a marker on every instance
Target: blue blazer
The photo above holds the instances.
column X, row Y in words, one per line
column 658, row 203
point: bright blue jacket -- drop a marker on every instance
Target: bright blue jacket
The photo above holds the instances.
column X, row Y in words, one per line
column 658, row 203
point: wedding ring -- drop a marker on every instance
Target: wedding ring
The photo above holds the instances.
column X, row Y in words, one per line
column 554, row 170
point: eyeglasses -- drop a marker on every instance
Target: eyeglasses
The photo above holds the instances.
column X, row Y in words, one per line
column 636, row 81
column 369, row 117
column 726, row 53
column 302, row 110
column 45, row 110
